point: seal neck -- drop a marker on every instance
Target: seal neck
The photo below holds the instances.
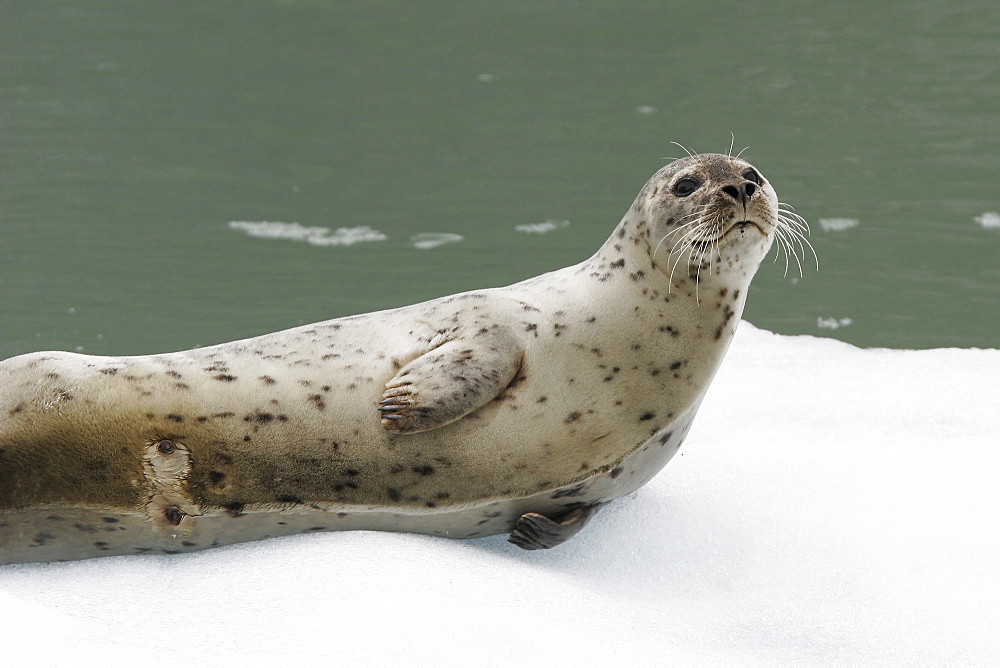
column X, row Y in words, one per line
column 623, row 268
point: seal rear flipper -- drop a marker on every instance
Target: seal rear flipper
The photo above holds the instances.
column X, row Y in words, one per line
column 534, row 531
column 450, row 382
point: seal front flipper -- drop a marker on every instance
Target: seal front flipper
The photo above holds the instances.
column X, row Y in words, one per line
column 537, row 532
column 450, row 381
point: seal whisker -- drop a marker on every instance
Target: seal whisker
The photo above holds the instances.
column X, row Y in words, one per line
column 801, row 226
column 678, row 227
column 686, row 233
column 686, row 242
column 794, row 218
column 788, row 249
column 690, row 153
column 799, row 237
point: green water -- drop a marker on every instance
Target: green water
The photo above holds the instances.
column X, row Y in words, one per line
column 132, row 133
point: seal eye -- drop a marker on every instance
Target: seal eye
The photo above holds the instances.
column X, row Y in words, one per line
column 752, row 175
column 685, row 187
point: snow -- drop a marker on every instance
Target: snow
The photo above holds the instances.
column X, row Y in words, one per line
column 832, row 505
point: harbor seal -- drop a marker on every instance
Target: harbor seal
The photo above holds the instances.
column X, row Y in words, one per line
column 519, row 410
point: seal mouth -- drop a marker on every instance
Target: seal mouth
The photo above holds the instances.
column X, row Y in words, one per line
column 742, row 226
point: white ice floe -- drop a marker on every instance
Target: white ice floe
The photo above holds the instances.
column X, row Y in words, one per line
column 838, row 224
column 543, row 228
column 833, row 323
column 317, row 236
column 832, row 506
column 990, row 220
column 434, row 239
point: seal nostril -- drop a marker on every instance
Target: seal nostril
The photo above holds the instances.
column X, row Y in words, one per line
column 749, row 188
column 731, row 191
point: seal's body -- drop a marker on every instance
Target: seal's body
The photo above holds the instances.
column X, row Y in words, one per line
column 519, row 409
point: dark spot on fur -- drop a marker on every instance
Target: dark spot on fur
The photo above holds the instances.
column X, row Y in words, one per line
column 224, row 377
column 317, row 401
column 665, row 438
column 424, row 470
column 234, row 509
column 541, row 400
column 109, row 371
column 676, row 365
column 647, row 416
column 288, row 498
column 109, row 520
column 261, row 418
column 393, row 493
column 573, row 417
column 615, row 472
column 267, row 380
column 216, row 477
column 618, row 264
column 174, row 418
column 101, row 545
column 575, row 490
